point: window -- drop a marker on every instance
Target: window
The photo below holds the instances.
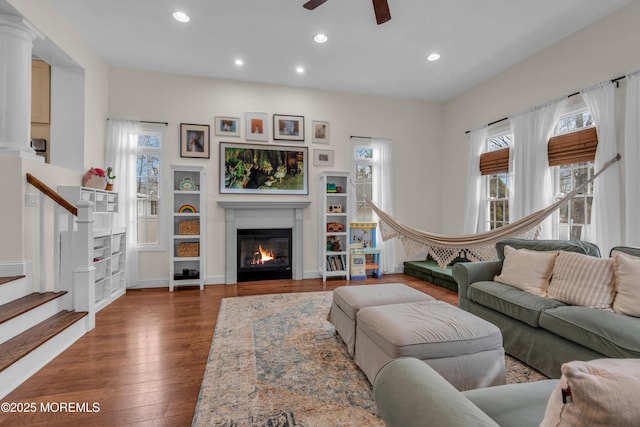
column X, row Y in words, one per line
column 572, row 221
column 364, row 170
column 148, row 179
column 494, row 166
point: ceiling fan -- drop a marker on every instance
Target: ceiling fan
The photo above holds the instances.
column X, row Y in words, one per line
column 381, row 8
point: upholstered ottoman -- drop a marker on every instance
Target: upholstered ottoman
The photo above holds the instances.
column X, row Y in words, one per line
column 465, row 349
column 348, row 300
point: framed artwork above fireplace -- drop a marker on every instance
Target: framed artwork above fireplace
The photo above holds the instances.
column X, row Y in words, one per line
column 263, row 169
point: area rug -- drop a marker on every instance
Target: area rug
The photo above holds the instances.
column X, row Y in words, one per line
column 275, row 361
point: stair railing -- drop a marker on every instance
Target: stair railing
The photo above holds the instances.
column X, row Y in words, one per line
column 73, row 249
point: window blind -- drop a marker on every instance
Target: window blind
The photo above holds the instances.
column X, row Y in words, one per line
column 493, row 162
column 574, row 147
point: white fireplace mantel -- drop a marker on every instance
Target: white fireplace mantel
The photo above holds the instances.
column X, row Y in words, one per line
column 262, row 214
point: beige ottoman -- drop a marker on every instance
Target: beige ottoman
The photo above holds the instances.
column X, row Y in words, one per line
column 465, row 349
column 348, row 300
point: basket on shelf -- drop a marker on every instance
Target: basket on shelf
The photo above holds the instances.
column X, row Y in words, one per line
column 191, row 249
column 188, row 227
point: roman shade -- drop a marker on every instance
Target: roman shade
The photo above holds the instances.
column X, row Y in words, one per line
column 494, row 162
column 574, row 147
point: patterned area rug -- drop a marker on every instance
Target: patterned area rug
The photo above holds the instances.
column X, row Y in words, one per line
column 276, row 361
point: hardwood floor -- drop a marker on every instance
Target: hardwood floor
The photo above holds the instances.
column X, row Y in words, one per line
column 143, row 363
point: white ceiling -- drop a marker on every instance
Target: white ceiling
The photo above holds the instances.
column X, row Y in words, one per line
column 477, row 39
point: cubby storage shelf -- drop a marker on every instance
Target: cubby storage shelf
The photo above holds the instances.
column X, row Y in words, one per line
column 109, row 242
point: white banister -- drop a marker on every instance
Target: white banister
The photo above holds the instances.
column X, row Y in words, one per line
column 84, row 272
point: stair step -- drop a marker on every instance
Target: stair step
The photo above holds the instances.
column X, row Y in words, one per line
column 15, row 308
column 4, row 280
column 21, row 345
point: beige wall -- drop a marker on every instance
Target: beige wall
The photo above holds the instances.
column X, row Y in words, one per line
column 605, row 50
column 414, row 128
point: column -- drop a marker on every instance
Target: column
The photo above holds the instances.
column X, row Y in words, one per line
column 16, row 45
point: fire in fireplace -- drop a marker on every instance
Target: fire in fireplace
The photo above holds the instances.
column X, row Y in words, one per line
column 264, row 254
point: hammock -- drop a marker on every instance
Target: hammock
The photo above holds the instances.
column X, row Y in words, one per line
column 475, row 247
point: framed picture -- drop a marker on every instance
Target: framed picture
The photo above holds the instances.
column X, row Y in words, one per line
column 322, row 157
column 228, row 126
column 194, row 140
column 256, row 126
column 289, row 128
column 263, row 169
column 320, row 132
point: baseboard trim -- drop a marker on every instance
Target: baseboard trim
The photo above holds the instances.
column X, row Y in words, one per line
column 16, row 268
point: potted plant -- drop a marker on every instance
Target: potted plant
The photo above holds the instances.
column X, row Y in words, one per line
column 110, row 178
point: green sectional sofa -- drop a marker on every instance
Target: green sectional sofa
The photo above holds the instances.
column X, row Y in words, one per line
column 540, row 331
column 409, row 393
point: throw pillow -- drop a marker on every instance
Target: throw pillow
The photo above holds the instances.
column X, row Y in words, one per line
column 583, row 280
column 627, row 273
column 603, row 392
column 527, row 269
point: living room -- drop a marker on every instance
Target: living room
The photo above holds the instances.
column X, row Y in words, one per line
column 426, row 135
column 429, row 136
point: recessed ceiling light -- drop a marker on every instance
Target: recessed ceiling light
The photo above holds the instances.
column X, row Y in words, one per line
column 181, row 16
column 299, row 70
column 320, row 38
column 239, row 62
column 433, row 57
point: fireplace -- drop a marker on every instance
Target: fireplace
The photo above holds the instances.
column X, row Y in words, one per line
column 264, row 254
column 245, row 214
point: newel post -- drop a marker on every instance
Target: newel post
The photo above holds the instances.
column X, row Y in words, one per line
column 84, row 274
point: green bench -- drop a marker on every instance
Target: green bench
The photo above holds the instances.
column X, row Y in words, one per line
column 429, row 271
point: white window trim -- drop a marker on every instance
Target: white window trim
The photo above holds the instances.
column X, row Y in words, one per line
column 151, row 129
column 588, row 231
column 486, row 196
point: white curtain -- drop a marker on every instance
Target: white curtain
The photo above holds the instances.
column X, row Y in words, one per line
column 605, row 211
column 382, row 196
column 474, row 211
column 631, row 160
column 532, row 185
column 122, row 142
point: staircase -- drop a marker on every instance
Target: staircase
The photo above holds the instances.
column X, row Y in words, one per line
column 34, row 329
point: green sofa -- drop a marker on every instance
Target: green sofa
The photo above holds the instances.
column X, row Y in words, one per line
column 542, row 332
column 409, row 393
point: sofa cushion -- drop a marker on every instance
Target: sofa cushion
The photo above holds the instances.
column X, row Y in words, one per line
column 627, row 269
column 519, row 405
column 510, row 301
column 527, row 270
column 582, row 280
column 603, row 393
column 577, row 246
column 606, row 332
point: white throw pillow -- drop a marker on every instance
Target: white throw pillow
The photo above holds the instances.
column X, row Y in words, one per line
column 604, row 392
column 627, row 273
column 527, row 270
column 583, row 280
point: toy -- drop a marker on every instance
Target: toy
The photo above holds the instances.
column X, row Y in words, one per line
column 333, row 244
column 95, row 178
column 335, row 227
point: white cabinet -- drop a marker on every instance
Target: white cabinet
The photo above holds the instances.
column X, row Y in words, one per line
column 188, row 219
column 109, row 243
column 105, row 203
column 334, row 204
column 109, row 259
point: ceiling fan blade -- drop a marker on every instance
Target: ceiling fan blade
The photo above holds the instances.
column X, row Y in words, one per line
column 312, row 4
column 383, row 14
